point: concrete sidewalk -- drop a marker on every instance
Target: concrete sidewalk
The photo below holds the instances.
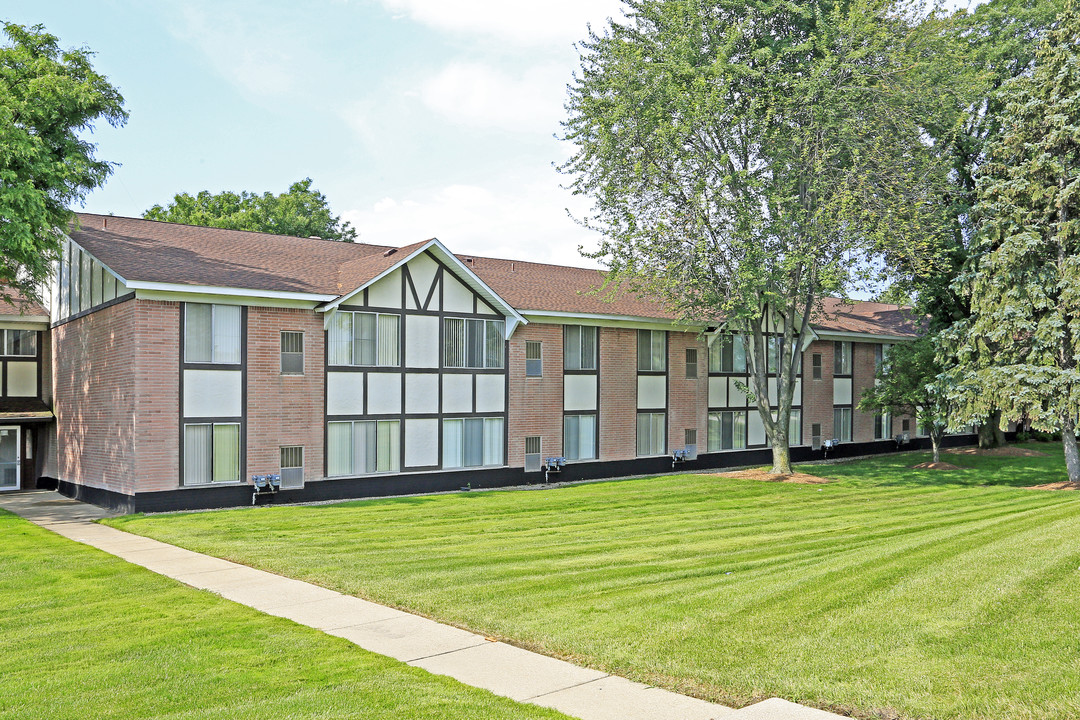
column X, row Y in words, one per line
column 472, row 659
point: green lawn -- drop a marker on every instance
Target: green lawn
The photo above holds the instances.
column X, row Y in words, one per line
column 86, row 635
column 923, row 594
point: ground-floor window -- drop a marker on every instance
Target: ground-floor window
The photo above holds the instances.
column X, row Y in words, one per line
column 842, row 424
column 882, row 426
column 650, row 434
column 472, row 442
column 794, row 433
column 292, row 466
column 579, row 437
column 211, row 453
column 727, row 430
column 363, row 446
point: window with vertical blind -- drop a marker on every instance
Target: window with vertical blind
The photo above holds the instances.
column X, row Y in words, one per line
column 842, row 424
column 651, row 438
column 471, row 343
column 18, row 342
column 212, row 333
column 579, row 347
column 727, row 430
column 211, row 453
column 882, row 426
column 841, row 357
column 579, row 437
column 652, row 351
column 363, row 338
column 727, row 355
column 363, row 447
column 472, row 442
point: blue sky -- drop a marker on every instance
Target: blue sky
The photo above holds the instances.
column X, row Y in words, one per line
column 417, row 118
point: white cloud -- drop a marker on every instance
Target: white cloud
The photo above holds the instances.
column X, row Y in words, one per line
column 509, row 219
column 550, row 22
column 483, row 96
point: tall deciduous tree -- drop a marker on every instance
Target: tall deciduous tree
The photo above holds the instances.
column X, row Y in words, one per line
column 1020, row 349
column 747, row 157
column 302, row 211
column 48, row 97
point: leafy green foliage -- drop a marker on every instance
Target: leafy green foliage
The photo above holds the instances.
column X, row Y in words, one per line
column 746, row 158
column 1019, row 350
column 301, row 212
column 48, row 98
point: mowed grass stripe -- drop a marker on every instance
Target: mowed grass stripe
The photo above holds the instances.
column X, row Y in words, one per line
column 889, row 592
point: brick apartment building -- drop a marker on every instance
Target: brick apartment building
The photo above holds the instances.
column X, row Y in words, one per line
column 177, row 361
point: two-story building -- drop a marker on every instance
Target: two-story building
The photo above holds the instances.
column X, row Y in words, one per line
column 178, row 361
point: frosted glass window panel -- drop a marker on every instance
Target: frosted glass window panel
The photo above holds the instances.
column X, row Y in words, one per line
column 198, row 321
column 340, row 337
column 339, row 448
column 493, row 441
column 95, row 284
column 364, row 327
column 227, row 453
column 108, row 291
column 454, row 343
column 198, row 448
column 389, row 340
column 452, row 442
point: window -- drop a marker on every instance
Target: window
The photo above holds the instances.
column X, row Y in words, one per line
column 579, row 347
column 651, row 351
column 211, row 333
column 881, row 355
column 292, row 353
column 292, row 466
column 794, row 433
column 650, row 432
column 905, row 425
column 691, row 362
column 815, row 436
column 534, row 362
column 727, row 355
column 532, row 453
column 579, row 437
column 842, row 424
column 882, row 426
column 472, row 442
column 727, row 431
column 841, row 358
column 18, row 342
column 361, row 338
column 772, row 353
column 211, row 453
column 361, row 447
column 690, row 437
column 472, row 343
column 815, row 362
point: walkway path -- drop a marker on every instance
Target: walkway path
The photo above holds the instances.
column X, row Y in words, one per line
column 473, row 659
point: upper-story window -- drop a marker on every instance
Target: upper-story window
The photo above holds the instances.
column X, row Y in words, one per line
column 471, row 343
column 842, row 358
column 651, row 350
column 534, row 359
column 363, row 338
column 881, row 356
column 212, row 333
column 579, row 347
column 727, row 355
column 18, row 342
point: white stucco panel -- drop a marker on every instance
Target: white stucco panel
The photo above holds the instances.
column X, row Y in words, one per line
column 718, row 392
column 384, row 393
column 841, row 391
column 422, row 341
column 422, row 270
column 579, row 392
column 421, row 442
column 490, row 393
column 22, row 379
column 213, row 393
column 456, row 296
column 755, row 429
column 386, row 292
column 344, row 393
column 651, row 391
column 457, row 393
column 421, row 393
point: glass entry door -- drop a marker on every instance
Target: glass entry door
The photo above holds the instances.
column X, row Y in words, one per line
column 9, row 458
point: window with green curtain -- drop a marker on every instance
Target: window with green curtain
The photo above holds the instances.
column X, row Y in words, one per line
column 226, row 452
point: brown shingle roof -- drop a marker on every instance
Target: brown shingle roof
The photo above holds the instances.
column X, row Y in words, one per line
column 19, row 304
column 865, row 317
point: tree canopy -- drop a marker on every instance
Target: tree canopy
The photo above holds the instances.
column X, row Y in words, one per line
column 746, row 158
column 48, row 98
column 1019, row 349
column 302, row 211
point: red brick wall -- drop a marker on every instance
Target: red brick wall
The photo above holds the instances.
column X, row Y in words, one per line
column 284, row 409
column 688, row 398
column 157, row 400
column 862, row 368
column 535, row 404
column 818, row 394
column 94, row 377
column 618, row 394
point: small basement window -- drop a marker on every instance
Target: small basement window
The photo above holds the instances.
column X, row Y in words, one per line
column 292, row 353
column 292, row 466
column 534, row 363
column 532, row 452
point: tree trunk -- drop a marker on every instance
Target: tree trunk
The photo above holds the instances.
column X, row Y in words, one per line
column 1072, row 453
column 781, row 459
column 935, row 444
column 990, row 435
